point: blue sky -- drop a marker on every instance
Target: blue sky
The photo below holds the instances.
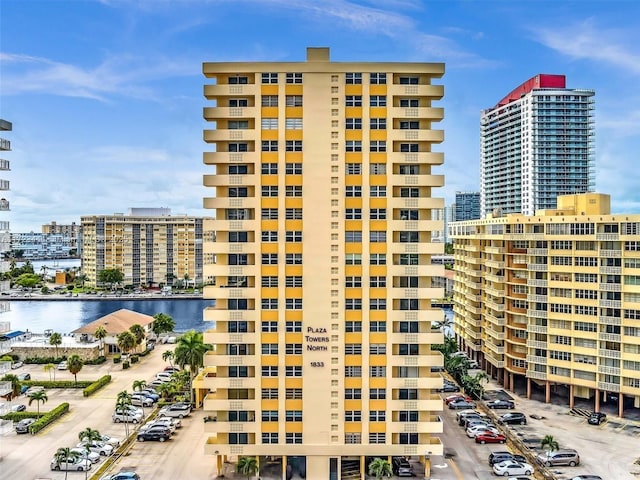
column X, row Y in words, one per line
column 106, row 96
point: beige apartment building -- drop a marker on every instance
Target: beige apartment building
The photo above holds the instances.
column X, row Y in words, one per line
column 322, row 187
column 151, row 247
column 553, row 300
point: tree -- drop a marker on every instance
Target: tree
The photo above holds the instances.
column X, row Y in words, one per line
column 89, row 435
column 186, row 280
column 170, row 278
column 15, row 384
column 28, row 280
column 137, row 331
column 50, row 367
column 190, row 351
column 139, row 385
column 444, row 325
column 123, row 403
column 44, row 269
column 457, row 367
column 168, row 355
column 550, row 444
column 100, row 334
column 82, row 278
column 163, row 323
column 38, row 396
column 54, row 340
column 110, row 276
column 126, row 341
column 75, row 364
column 65, row 455
column 380, row 468
column 247, row 466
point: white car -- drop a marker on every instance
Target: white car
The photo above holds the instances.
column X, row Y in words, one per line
column 98, row 447
column 128, row 417
column 141, row 400
column 476, row 429
column 179, row 411
column 164, row 376
column 93, row 457
column 510, row 467
column 74, row 464
column 113, row 441
column 62, row 365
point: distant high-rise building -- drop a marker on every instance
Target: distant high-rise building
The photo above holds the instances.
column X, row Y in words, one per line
column 5, row 240
column 467, row 206
column 70, row 232
column 536, row 144
column 324, row 180
column 445, row 216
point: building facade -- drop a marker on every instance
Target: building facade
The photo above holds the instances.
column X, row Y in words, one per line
column 323, row 218
column 467, row 206
column 43, row 245
column 150, row 250
column 553, row 299
column 5, row 238
column 72, row 231
column 536, row 144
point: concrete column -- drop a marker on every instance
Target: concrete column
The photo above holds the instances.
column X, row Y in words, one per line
column 597, row 405
column 219, row 464
column 571, row 399
column 528, row 388
column 547, row 392
column 363, row 473
column 512, row 386
column 505, row 379
column 620, row 405
column 427, row 467
column 284, row 467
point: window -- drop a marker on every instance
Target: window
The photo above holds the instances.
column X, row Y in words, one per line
column 238, row 192
column 293, row 281
column 238, row 80
column 237, row 214
column 408, row 304
column 293, row 259
column 409, row 102
column 353, row 214
column 377, row 416
column 377, row 282
column 269, row 393
column 378, row 214
column 269, row 437
column 408, row 327
column 378, row 146
column 353, row 349
column 377, row 438
column 269, row 303
column 269, row 326
column 353, row 78
column 353, row 146
column 269, row 78
column 353, row 124
column 377, row 349
column 293, row 371
column 293, row 190
column 293, row 349
column 408, row 80
column 293, row 100
column 378, row 259
column 353, row 259
column 269, row 169
column 269, row 101
column 378, row 236
column 293, row 124
column 269, row 281
column 353, row 101
column 294, row 77
column 293, row 415
column 269, row 124
column 269, row 214
column 293, row 303
column 378, row 124
column 269, row 371
column 293, row 214
column 353, row 304
column 238, row 237
column 293, row 169
column 269, row 236
column 269, row 259
column 238, row 147
column 269, row 349
column 238, row 438
column 378, row 101
column 352, row 394
column 294, row 326
column 352, row 327
column 377, row 326
column 408, row 394
column 377, row 304
column 353, row 282
column 377, row 371
column 353, row 168
column 409, row 169
column 238, row 327
column 378, row 78
column 238, row 259
column 352, row 416
column 269, row 146
column 409, row 192
column 238, row 169
column 293, row 394
column 269, row 191
column 238, row 372
column 293, row 438
column 409, row 215
column 294, row 145
column 408, row 349
column 408, row 438
column 408, row 416
column 408, row 237
column 293, row 236
column 378, row 168
column 378, row 191
column 409, row 147
column 238, row 102
column 377, row 394
column 353, row 190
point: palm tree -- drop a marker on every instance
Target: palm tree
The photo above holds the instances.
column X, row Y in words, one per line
column 44, row 269
column 190, row 351
column 247, row 466
column 100, row 334
column 126, row 341
column 444, row 325
column 89, row 435
column 65, row 455
column 75, row 364
column 139, row 385
column 137, row 331
column 186, row 280
column 15, row 384
column 50, row 367
column 550, row 443
column 380, row 468
column 457, row 367
column 38, row 396
column 168, row 355
column 54, row 340
column 123, row 402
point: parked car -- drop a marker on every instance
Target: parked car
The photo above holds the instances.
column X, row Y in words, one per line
column 62, row 365
column 24, row 376
column 456, row 397
column 469, row 411
column 35, row 388
column 587, row 477
column 23, row 425
column 18, row 408
column 448, row 386
column 158, row 433
column 596, row 418
column 113, row 441
column 461, row 404
column 16, row 364
column 477, row 429
column 559, row 457
column 76, row 464
column 172, row 369
column 93, row 457
column 151, row 393
column 99, row 447
column 402, row 467
column 122, row 476
column 490, row 437
column 130, row 417
column 472, row 364
column 170, row 422
column 499, row 456
column 520, row 477
column 175, row 410
column 164, row 376
column 141, row 400
column 499, row 403
column 468, row 420
column 510, row 468
column 512, row 418
column 156, row 383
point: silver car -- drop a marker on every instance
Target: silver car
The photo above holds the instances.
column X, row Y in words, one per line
column 93, row 457
column 76, row 464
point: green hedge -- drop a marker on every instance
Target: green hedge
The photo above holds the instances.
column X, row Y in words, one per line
column 97, row 385
column 44, row 360
column 96, row 361
column 49, row 418
column 125, row 364
column 117, row 358
column 134, row 359
column 17, row 416
column 58, row 383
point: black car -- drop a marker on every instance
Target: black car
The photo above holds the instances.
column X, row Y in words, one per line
column 402, row 467
column 501, row 456
column 513, row 418
column 154, row 433
column 596, row 418
column 449, row 387
column 499, row 403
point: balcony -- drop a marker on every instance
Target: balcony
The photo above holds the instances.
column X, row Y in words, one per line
column 537, row 267
column 609, row 387
column 605, row 370
column 416, row 427
column 216, row 158
column 536, row 375
column 537, row 328
column 224, row 404
column 215, row 113
column 431, row 158
column 610, row 337
column 218, row 270
column 225, row 135
column 537, row 313
column 536, row 344
column 419, row 135
column 602, row 352
column 498, row 307
column 498, row 350
column 214, row 383
column 415, row 202
column 244, row 292
column 537, row 359
column 494, row 319
column 538, row 298
column 611, row 270
column 232, row 360
column 217, row 338
column 229, row 180
column 610, row 253
column 226, row 202
column 607, row 237
column 224, row 427
column 428, row 113
column 423, row 382
column 494, row 278
column 532, row 282
column 494, row 264
column 415, row 360
column 610, row 320
column 226, row 90
column 538, row 252
column 610, row 303
column 610, row 287
column 495, row 334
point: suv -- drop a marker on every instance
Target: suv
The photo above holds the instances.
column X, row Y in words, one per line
column 175, row 410
column 513, row 418
column 156, row 432
column 596, row 418
column 118, row 417
column 559, row 457
column 402, row 467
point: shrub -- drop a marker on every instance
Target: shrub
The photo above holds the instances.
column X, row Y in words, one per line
column 58, row 383
column 125, row 364
column 117, row 358
column 96, row 361
column 134, row 359
column 17, row 416
column 144, row 353
column 97, row 385
column 48, row 418
column 44, row 360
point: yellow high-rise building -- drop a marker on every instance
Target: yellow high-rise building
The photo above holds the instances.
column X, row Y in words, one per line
column 553, row 300
column 322, row 257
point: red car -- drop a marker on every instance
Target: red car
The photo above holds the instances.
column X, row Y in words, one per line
column 456, row 398
column 490, row 437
